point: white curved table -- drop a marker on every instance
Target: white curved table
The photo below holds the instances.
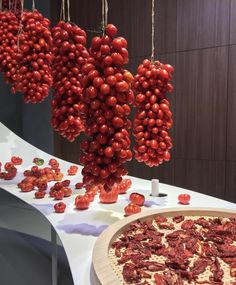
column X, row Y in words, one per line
column 78, row 230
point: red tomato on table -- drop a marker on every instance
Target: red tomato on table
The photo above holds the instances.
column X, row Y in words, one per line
column 137, row 199
column 131, row 209
column 184, row 199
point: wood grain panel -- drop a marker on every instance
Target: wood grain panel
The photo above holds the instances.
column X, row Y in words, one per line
column 66, row 150
column 166, row 26
column 231, row 181
column 202, row 23
column 232, row 22
column 231, row 127
column 202, row 176
column 132, row 18
column 201, row 99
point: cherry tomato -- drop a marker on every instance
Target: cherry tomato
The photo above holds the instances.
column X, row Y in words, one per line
column 60, row 207
column 184, row 199
column 79, row 185
column 111, row 30
column 82, row 202
column 16, row 160
column 59, row 195
column 67, row 191
column 131, row 209
column 137, row 199
column 38, row 161
column 39, row 194
column 108, row 197
column 72, row 170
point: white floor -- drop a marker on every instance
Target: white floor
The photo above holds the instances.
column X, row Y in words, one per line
column 25, row 249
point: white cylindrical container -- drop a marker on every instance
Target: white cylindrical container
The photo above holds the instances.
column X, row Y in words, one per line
column 155, row 187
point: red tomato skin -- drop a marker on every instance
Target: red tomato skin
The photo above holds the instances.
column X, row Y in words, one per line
column 82, row 202
column 131, row 209
column 184, row 199
column 137, row 199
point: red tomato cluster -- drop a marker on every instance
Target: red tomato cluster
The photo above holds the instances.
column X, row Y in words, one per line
column 38, row 178
column 136, row 202
column 14, row 5
column 123, row 186
column 107, row 98
column 9, row 27
column 10, row 171
column 153, row 118
column 60, row 190
column 33, row 76
column 70, row 54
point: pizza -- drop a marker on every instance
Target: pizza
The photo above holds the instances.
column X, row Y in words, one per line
column 176, row 251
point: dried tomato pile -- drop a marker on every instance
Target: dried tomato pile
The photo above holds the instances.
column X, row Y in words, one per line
column 107, row 96
column 70, row 54
column 153, row 118
column 34, row 75
column 187, row 249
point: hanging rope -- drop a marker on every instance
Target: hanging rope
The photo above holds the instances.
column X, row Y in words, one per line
column 68, row 10
column 0, row 5
column 33, row 5
column 20, row 25
column 62, row 14
column 153, row 31
column 103, row 16
column 106, row 12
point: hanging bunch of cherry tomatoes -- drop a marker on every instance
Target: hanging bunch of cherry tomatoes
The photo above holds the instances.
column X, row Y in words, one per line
column 9, row 27
column 153, row 118
column 34, row 75
column 14, row 5
column 107, row 96
column 70, row 54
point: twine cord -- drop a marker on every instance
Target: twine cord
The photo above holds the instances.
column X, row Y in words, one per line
column 20, row 25
column 153, row 31
column 106, row 12
column 1, row 5
column 62, row 14
column 103, row 16
column 33, row 5
column 68, row 10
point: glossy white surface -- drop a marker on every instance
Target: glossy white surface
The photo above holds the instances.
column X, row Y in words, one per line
column 78, row 230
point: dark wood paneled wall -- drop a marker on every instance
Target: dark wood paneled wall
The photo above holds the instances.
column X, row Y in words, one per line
column 199, row 38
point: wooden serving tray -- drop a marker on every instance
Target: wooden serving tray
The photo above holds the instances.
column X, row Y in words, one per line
column 103, row 272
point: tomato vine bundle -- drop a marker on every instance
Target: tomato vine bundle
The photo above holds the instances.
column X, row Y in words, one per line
column 11, row 5
column 9, row 27
column 33, row 77
column 70, row 54
column 107, row 96
column 153, row 118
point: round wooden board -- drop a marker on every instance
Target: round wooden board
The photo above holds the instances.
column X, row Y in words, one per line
column 103, row 272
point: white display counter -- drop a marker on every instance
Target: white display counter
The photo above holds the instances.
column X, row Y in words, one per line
column 78, row 230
